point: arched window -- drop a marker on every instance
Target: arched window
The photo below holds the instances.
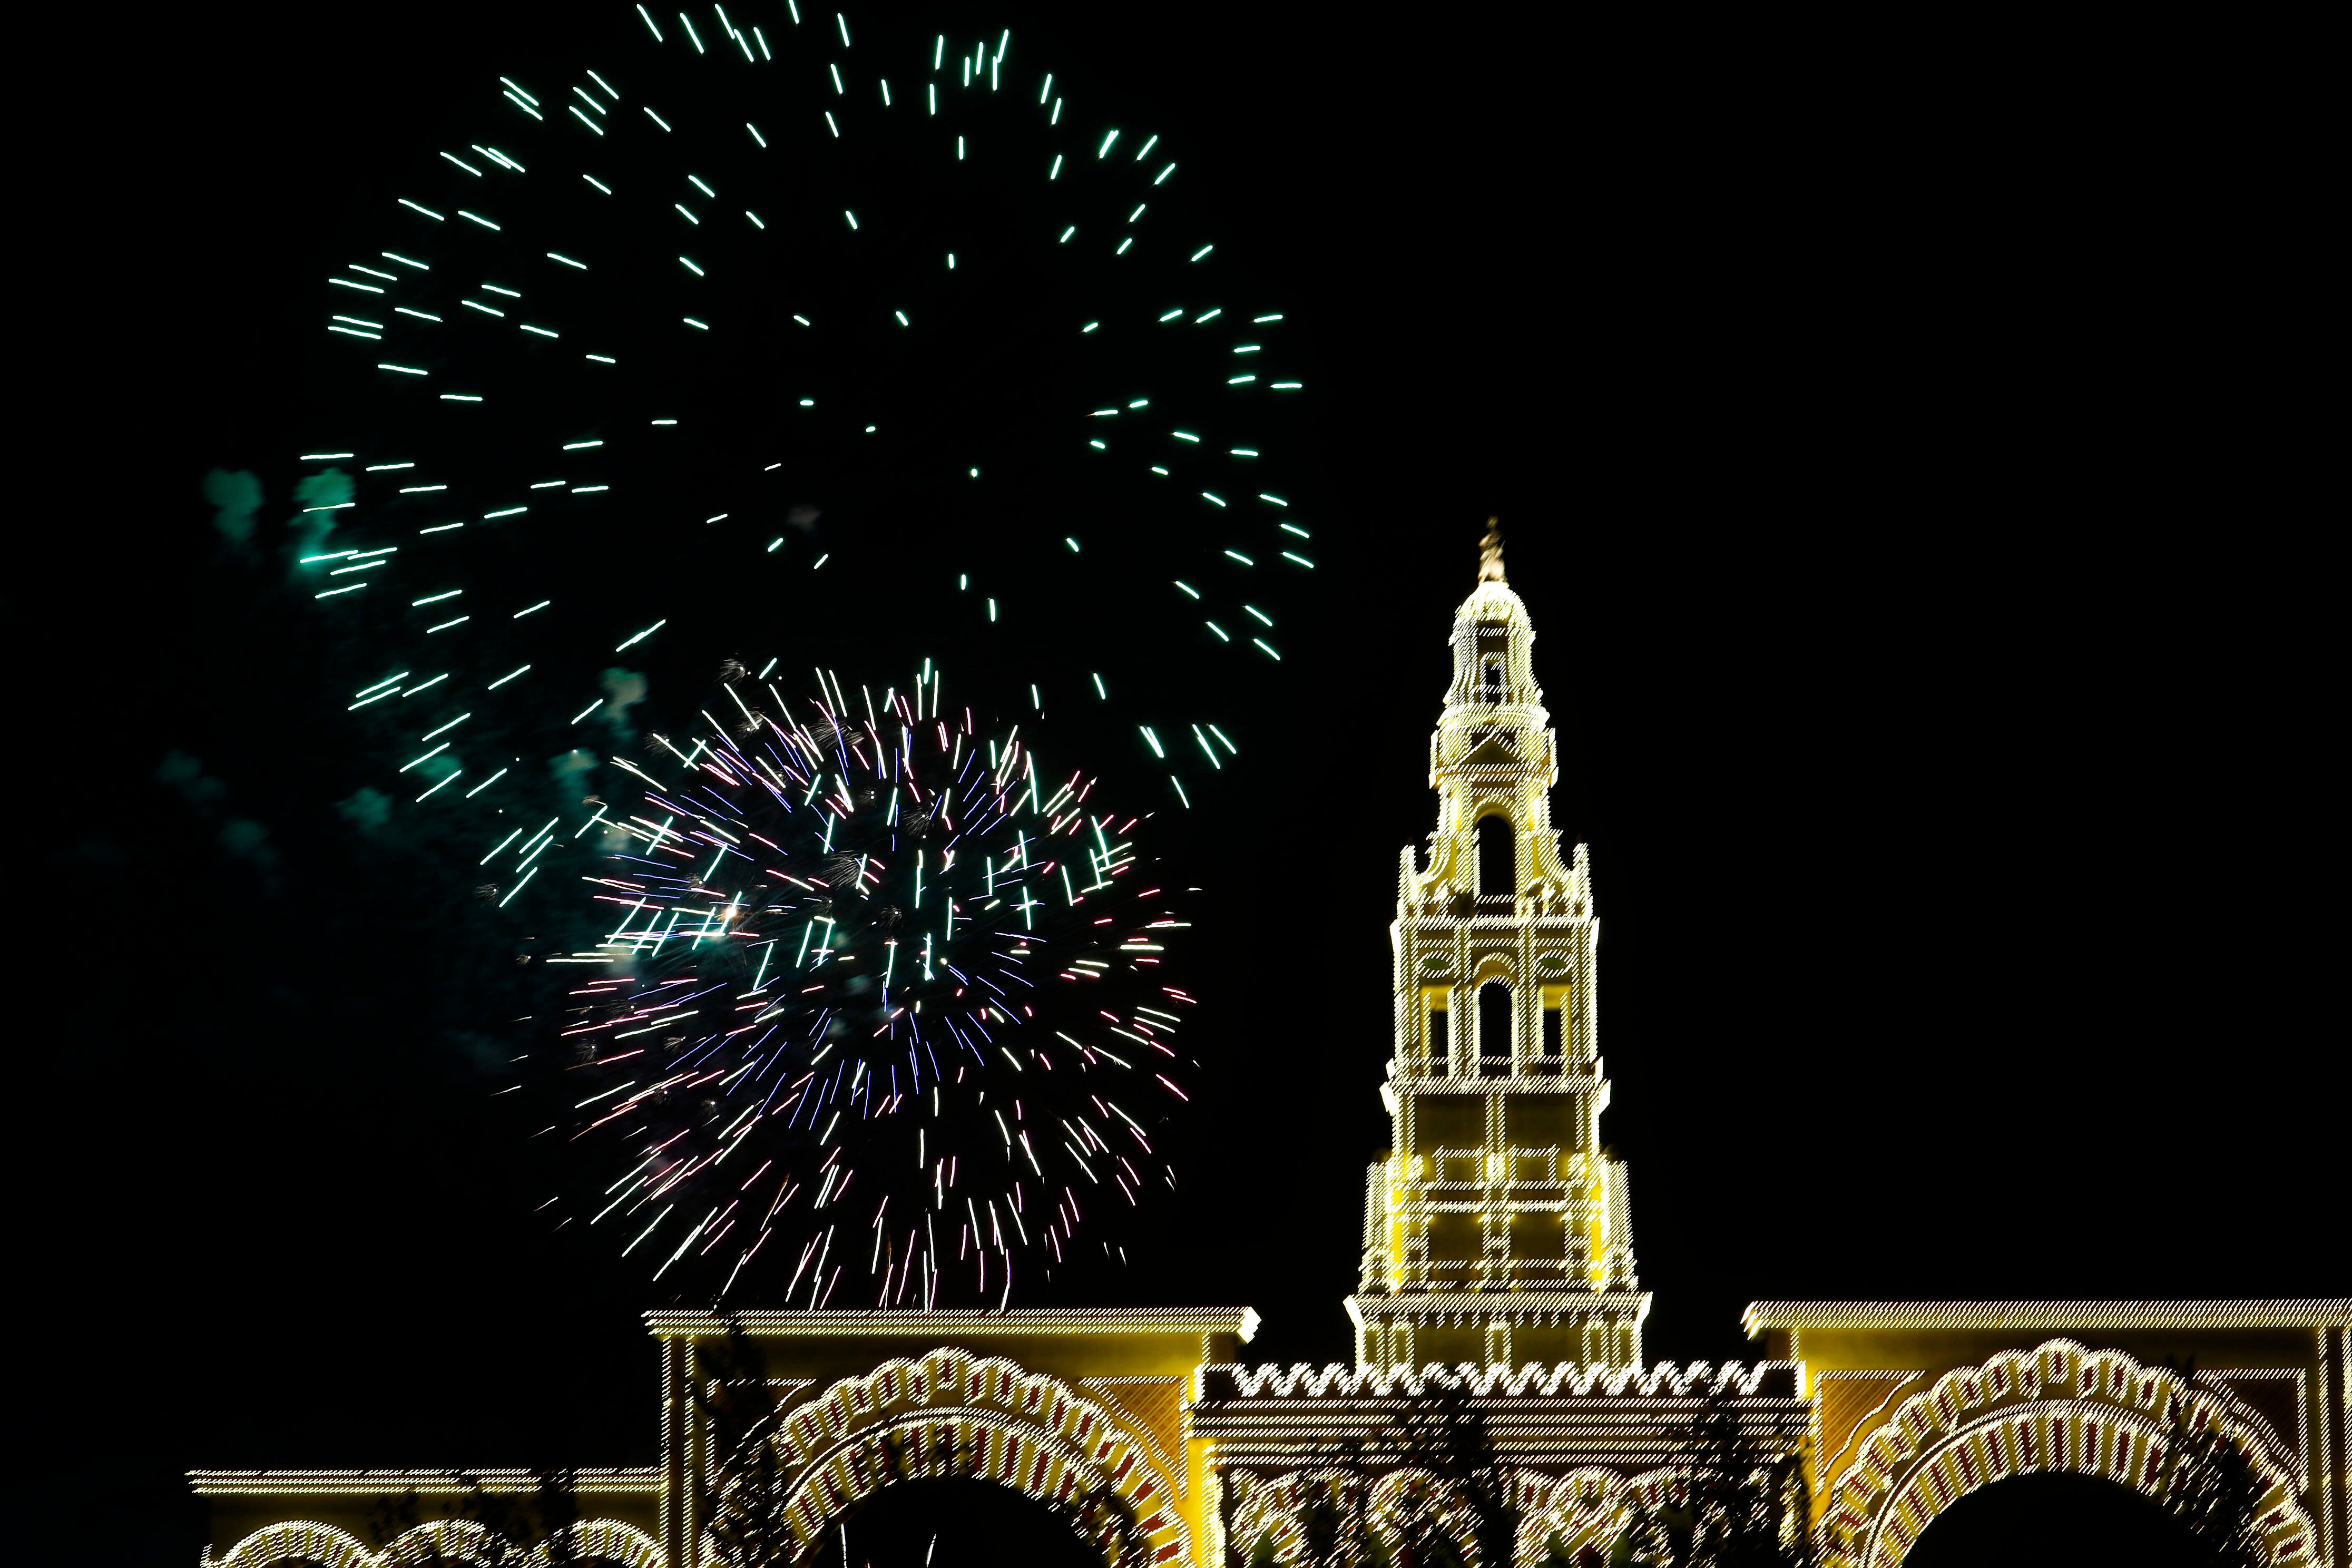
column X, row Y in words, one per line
column 1498, row 875
column 1490, row 678
column 1494, row 1029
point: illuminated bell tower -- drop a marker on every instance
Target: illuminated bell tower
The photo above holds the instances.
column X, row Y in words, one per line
column 1497, row 1229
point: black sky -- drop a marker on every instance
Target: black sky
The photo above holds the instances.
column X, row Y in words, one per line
column 1905, row 447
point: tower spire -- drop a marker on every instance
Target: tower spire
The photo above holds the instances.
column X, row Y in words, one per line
column 1490, row 553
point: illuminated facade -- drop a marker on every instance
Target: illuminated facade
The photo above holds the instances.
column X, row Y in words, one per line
column 1498, row 1272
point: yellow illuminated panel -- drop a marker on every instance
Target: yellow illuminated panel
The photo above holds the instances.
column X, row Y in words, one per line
column 1448, row 1121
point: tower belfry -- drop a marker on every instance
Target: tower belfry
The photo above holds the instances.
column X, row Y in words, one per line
column 1497, row 1230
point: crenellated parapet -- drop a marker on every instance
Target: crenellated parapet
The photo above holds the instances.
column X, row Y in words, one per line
column 1331, row 1380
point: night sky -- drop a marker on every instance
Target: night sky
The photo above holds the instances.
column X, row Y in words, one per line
column 1898, row 443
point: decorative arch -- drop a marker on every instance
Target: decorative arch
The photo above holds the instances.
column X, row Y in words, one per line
column 606, row 1541
column 1491, row 802
column 1273, row 1509
column 603, row 1542
column 1582, row 1507
column 1586, row 1506
column 2058, row 1407
column 445, row 1541
column 1492, row 964
column 1400, row 1490
column 949, row 1414
column 1589, row 1506
column 297, row 1541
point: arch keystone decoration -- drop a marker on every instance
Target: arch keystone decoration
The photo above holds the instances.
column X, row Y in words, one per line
column 2058, row 1408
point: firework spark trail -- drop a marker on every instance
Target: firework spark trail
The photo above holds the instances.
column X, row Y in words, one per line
column 614, row 325
column 854, row 963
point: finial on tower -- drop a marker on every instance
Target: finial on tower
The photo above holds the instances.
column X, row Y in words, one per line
column 1490, row 553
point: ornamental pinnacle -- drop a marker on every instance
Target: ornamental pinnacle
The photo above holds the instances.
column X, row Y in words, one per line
column 1490, row 553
